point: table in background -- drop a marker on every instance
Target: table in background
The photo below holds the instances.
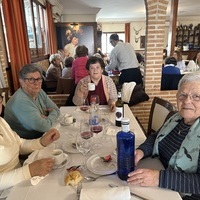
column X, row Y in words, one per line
column 52, row 187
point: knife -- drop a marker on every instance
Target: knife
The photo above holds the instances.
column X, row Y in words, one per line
column 137, row 195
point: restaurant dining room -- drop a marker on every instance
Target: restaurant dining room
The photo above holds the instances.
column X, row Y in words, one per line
column 99, row 100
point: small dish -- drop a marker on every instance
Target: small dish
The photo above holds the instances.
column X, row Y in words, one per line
column 97, row 166
column 63, row 123
column 69, row 147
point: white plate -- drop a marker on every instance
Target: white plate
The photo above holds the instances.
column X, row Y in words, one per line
column 97, row 166
column 67, row 147
column 64, row 163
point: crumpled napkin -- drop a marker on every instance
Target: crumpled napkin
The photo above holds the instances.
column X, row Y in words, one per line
column 116, row 193
column 36, row 179
column 37, row 155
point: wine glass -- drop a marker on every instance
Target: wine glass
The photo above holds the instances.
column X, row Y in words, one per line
column 97, row 130
column 84, row 105
column 83, row 139
column 105, row 120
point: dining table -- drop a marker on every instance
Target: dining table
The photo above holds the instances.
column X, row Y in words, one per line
column 53, row 187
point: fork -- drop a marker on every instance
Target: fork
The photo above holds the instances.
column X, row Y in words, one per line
column 78, row 190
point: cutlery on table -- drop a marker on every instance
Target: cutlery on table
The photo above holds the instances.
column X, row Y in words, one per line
column 91, row 178
column 78, row 190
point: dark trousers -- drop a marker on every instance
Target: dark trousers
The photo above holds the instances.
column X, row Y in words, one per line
column 129, row 75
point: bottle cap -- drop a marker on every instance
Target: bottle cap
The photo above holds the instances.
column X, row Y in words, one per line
column 125, row 121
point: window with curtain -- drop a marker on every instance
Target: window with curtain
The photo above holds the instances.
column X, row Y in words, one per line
column 35, row 15
column 105, row 41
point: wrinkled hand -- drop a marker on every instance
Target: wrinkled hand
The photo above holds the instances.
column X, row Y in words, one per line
column 49, row 137
column 144, row 177
column 41, row 167
column 84, row 87
column 139, row 154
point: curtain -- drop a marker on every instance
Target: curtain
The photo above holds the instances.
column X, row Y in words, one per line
column 17, row 37
column 127, row 32
column 51, row 30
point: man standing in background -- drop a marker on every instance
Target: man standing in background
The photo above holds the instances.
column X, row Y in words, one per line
column 124, row 58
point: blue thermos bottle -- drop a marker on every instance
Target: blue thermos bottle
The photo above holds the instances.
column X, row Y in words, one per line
column 125, row 150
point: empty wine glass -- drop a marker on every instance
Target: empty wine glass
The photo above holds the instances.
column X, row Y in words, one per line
column 105, row 120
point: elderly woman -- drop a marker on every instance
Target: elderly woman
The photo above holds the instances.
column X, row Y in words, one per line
column 30, row 112
column 11, row 145
column 54, row 71
column 105, row 86
column 176, row 144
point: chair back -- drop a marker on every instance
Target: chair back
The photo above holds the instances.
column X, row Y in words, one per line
column 65, row 85
column 159, row 111
column 170, row 81
column 5, row 93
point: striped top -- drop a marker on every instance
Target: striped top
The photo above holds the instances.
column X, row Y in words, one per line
column 169, row 178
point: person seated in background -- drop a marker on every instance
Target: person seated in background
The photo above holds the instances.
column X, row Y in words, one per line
column 11, row 145
column 180, row 62
column 170, row 66
column 104, row 85
column 54, row 72
column 176, row 144
column 78, row 65
column 67, row 70
column 197, row 59
column 30, row 112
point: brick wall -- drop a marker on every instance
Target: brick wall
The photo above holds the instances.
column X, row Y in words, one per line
column 155, row 28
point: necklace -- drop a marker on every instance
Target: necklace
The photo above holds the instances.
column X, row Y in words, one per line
column 183, row 130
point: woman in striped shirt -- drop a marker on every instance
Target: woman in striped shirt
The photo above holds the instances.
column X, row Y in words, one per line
column 177, row 144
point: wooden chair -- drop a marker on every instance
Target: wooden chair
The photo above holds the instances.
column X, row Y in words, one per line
column 65, row 85
column 159, row 111
column 5, row 93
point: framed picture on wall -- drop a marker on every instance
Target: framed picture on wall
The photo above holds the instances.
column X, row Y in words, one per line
column 86, row 34
column 142, row 42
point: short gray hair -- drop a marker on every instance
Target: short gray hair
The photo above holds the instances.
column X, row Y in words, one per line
column 53, row 57
column 194, row 76
column 29, row 68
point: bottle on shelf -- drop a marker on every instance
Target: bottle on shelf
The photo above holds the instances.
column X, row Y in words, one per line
column 119, row 109
column 125, row 150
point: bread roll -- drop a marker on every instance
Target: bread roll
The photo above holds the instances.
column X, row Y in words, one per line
column 73, row 178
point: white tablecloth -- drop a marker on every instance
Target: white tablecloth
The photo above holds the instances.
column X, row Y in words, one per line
column 52, row 187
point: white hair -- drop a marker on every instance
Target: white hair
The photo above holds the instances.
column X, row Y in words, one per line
column 53, row 57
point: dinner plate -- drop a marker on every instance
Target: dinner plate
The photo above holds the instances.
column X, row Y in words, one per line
column 97, row 166
column 64, row 162
column 67, row 147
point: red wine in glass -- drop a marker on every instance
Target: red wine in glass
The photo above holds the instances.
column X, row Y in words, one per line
column 84, row 108
column 96, row 129
column 86, row 135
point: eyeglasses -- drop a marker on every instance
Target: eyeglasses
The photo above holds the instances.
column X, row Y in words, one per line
column 184, row 96
column 33, row 80
column 1, row 99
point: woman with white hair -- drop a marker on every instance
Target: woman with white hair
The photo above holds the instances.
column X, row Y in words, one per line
column 54, row 71
column 176, row 144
